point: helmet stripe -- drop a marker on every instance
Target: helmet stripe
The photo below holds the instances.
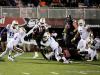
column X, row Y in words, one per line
column 42, row 19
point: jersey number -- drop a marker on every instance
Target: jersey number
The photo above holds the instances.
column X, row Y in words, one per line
column 66, row 53
column 12, row 34
column 67, row 26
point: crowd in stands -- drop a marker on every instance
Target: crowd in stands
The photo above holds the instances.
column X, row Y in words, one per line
column 51, row 3
column 7, row 3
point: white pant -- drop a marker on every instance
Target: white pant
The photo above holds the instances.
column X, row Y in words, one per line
column 13, row 48
column 81, row 45
column 58, row 51
column 91, row 53
column 8, row 39
column 33, row 42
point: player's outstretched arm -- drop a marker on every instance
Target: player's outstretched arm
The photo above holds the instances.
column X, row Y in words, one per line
column 46, row 44
column 77, row 34
column 3, row 31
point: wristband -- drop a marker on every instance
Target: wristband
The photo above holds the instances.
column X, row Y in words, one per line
column 73, row 38
column 91, row 34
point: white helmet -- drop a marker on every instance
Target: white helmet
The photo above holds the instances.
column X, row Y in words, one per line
column 42, row 21
column 46, row 36
column 15, row 24
column 21, row 30
column 81, row 22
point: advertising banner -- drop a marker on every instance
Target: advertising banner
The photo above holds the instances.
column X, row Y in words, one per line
column 54, row 22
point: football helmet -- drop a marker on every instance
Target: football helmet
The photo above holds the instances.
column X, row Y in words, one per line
column 15, row 24
column 42, row 21
column 81, row 22
column 68, row 18
column 46, row 36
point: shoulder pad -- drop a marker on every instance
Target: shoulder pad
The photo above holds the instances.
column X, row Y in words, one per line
column 9, row 25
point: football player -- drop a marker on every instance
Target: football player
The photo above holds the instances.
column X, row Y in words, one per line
column 85, row 32
column 48, row 41
column 91, row 50
column 38, row 30
column 11, row 30
column 12, row 44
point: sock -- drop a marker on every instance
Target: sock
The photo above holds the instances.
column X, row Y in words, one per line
column 36, row 54
column 64, row 58
column 10, row 51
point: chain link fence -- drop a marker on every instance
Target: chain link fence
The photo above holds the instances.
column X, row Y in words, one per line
column 50, row 12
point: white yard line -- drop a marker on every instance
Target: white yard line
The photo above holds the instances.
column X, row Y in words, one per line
column 1, row 73
column 86, row 64
column 54, row 72
column 82, row 72
column 25, row 73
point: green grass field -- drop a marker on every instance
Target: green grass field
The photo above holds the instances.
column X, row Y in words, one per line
column 26, row 65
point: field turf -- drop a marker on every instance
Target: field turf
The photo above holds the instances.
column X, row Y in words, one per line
column 26, row 65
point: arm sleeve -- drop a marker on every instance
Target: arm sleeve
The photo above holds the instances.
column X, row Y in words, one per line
column 31, row 30
column 23, row 41
column 74, row 21
column 87, row 26
column 5, row 29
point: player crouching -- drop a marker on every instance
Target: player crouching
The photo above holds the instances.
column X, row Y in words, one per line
column 12, row 44
column 48, row 41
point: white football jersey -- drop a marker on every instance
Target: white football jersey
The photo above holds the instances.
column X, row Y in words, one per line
column 11, row 31
column 53, row 45
column 18, row 38
column 84, row 34
column 45, row 25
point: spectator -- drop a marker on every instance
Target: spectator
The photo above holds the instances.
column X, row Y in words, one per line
column 54, row 35
column 13, row 3
column 92, row 3
column 36, row 2
column 3, row 41
column 86, row 2
column 74, row 3
column 8, row 2
column 43, row 3
column 56, row 1
column 3, row 3
column 68, row 3
column 99, row 6
column 30, row 4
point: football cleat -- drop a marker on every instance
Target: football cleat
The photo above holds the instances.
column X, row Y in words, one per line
column 70, row 61
column 96, row 57
column 8, row 56
column 12, row 59
column 35, row 56
column 66, row 61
